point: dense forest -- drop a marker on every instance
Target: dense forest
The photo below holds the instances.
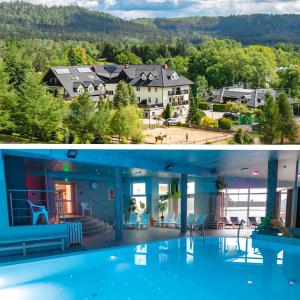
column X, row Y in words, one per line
column 24, row 20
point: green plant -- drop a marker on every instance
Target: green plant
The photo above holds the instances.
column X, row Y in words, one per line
column 142, row 206
column 203, row 106
column 224, row 123
column 219, row 107
column 220, row 183
column 163, row 205
column 132, row 205
column 243, row 137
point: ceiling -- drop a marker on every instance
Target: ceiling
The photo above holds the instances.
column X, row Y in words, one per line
column 202, row 163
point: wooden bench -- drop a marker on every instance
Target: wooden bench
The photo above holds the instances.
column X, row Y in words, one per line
column 36, row 242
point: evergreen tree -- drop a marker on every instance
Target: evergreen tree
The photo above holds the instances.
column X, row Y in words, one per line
column 287, row 124
column 81, row 117
column 132, row 95
column 195, row 114
column 122, row 96
column 269, row 123
column 168, row 111
column 38, row 114
column 200, row 87
column 7, row 102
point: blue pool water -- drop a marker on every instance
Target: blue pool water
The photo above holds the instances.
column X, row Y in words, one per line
column 186, row 268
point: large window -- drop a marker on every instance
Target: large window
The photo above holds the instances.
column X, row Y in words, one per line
column 163, row 189
column 244, row 203
column 138, row 192
column 191, row 197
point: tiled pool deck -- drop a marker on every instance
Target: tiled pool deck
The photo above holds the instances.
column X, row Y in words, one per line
column 130, row 236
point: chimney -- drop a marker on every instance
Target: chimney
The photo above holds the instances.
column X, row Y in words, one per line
column 165, row 66
column 93, row 68
column 126, row 66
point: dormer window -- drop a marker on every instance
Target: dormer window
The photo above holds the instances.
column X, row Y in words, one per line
column 80, row 89
column 91, row 88
column 174, row 76
column 101, row 88
column 144, row 77
column 151, row 77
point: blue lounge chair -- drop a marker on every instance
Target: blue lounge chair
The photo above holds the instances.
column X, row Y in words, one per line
column 145, row 219
column 132, row 222
column 169, row 219
column 189, row 221
column 200, row 222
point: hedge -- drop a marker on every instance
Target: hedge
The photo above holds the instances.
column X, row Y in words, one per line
column 224, row 123
column 203, row 106
column 219, row 107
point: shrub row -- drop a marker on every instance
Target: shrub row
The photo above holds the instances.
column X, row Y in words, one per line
column 219, row 107
column 203, row 106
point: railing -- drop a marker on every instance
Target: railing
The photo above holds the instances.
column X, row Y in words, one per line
column 180, row 102
column 178, row 92
column 145, row 105
column 21, row 212
column 100, row 214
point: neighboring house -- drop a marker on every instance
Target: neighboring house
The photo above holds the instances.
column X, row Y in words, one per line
column 72, row 81
column 251, row 97
column 155, row 85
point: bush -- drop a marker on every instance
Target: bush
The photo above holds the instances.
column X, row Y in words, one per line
column 219, row 107
column 224, row 123
column 207, row 122
column 243, row 137
column 203, row 106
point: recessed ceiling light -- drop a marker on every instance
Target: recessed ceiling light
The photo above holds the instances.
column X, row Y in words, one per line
column 255, row 172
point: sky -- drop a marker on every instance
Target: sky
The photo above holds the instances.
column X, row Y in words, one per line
column 177, row 8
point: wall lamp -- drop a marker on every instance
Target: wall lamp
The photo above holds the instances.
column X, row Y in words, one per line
column 72, row 153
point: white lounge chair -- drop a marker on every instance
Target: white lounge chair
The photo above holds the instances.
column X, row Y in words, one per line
column 132, row 222
column 36, row 211
column 145, row 219
column 85, row 206
column 177, row 222
column 169, row 219
column 200, row 221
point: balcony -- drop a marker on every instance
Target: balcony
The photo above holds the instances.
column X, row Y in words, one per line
column 179, row 103
column 178, row 92
column 145, row 105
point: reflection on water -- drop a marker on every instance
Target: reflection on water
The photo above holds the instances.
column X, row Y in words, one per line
column 210, row 268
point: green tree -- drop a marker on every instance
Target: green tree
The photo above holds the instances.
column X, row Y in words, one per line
column 243, row 137
column 269, row 126
column 287, row 124
column 81, row 117
column 101, row 123
column 200, row 87
column 195, row 114
column 126, row 123
column 132, row 95
column 38, row 114
column 290, row 80
column 127, row 57
column 77, row 55
column 123, row 95
column 236, row 107
column 7, row 102
column 168, row 111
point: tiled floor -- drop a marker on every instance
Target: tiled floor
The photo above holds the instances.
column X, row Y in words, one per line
column 133, row 236
column 130, row 236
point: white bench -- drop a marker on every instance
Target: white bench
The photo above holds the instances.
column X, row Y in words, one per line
column 36, row 242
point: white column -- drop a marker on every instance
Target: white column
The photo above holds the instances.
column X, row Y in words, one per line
column 4, row 218
column 295, row 197
column 183, row 189
column 118, row 204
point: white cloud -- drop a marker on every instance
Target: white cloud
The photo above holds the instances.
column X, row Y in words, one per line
column 173, row 8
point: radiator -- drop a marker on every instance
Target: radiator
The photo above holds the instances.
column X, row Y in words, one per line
column 75, row 232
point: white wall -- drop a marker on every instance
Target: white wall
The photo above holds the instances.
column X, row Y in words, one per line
column 4, row 219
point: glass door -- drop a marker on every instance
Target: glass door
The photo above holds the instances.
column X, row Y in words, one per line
column 67, row 190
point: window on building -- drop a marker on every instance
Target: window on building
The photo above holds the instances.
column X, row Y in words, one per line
column 138, row 191
column 156, row 100
column 191, row 197
column 149, row 100
column 80, row 89
column 91, row 88
column 139, row 99
column 163, row 189
column 138, row 88
column 149, row 89
column 155, row 89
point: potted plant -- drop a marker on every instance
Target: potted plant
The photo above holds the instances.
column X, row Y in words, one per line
column 220, row 183
column 163, row 205
column 132, row 205
column 142, row 206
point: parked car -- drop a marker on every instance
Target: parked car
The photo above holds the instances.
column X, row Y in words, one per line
column 172, row 121
column 231, row 116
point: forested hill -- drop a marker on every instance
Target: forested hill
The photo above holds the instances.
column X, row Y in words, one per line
column 24, row 20
column 248, row 29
